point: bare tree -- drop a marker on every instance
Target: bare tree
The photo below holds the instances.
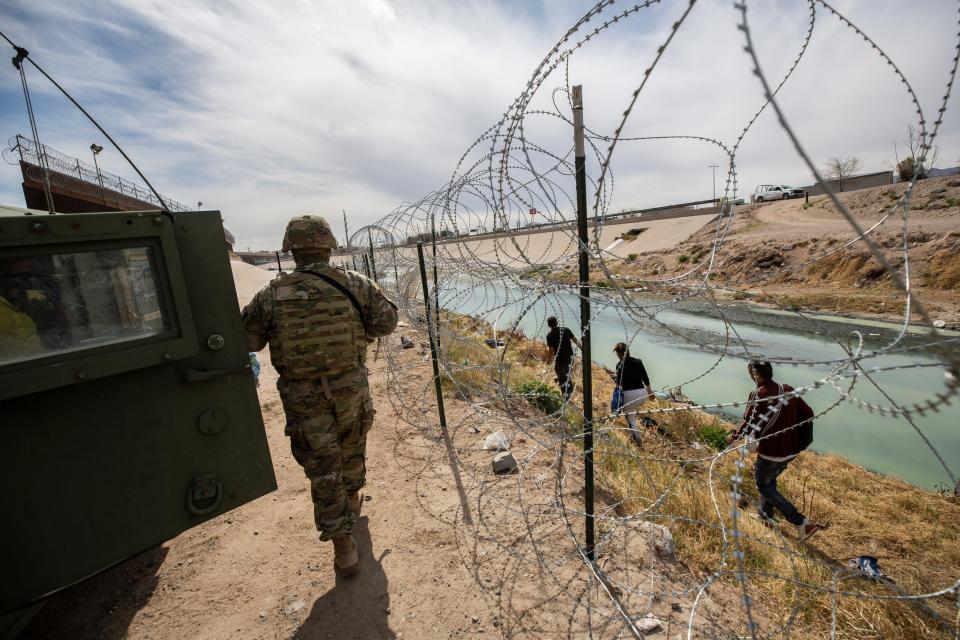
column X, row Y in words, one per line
column 922, row 156
column 839, row 169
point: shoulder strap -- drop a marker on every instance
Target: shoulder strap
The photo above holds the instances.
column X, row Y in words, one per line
column 342, row 289
column 776, row 414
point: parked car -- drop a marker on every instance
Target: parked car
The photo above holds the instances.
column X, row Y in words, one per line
column 768, row 192
column 792, row 192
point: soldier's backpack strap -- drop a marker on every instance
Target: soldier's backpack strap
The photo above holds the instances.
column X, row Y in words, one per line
column 342, row 289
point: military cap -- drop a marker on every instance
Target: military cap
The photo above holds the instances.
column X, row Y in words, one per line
column 308, row 232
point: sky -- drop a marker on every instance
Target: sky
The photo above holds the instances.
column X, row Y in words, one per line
column 266, row 110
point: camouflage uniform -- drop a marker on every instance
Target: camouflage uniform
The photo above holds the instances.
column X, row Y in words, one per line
column 318, row 345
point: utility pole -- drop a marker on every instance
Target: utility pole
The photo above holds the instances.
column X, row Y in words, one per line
column 714, row 167
column 580, row 166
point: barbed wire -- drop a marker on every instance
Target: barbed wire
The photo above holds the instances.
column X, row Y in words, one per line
column 497, row 282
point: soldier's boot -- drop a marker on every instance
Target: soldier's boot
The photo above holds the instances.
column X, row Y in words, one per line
column 355, row 503
column 345, row 559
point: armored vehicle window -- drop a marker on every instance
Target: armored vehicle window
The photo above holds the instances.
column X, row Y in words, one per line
column 61, row 302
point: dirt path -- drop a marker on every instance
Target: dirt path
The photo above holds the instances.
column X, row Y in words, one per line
column 448, row 550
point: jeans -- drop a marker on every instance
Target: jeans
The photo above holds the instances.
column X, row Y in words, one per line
column 766, row 472
column 632, row 399
column 562, row 369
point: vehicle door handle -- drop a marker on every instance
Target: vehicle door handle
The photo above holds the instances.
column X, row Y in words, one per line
column 199, row 375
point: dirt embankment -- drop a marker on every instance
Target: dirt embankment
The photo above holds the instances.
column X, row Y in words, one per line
column 804, row 256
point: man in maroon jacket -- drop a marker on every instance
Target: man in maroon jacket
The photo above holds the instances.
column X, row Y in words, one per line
column 773, row 424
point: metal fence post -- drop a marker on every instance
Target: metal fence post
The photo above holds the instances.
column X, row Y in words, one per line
column 373, row 260
column 396, row 273
column 584, row 263
column 432, row 329
column 436, row 285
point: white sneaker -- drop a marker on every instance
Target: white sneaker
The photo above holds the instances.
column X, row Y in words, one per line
column 808, row 529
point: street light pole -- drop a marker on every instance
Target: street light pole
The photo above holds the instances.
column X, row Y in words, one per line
column 96, row 149
column 714, row 167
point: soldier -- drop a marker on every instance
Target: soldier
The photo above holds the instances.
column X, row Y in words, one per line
column 318, row 321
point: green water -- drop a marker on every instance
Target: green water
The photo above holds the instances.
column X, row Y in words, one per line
column 881, row 443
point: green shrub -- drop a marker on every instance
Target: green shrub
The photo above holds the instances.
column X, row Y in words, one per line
column 793, row 303
column 683, row 258
column 633, row 256
column 714, row 436
column 541, row 395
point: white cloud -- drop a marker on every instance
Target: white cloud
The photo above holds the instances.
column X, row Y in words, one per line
column 266, row 110
column 380, row 9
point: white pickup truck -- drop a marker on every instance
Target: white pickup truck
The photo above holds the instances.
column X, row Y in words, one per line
column 768, row 192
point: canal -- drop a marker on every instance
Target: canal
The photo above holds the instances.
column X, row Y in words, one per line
column 684, row 346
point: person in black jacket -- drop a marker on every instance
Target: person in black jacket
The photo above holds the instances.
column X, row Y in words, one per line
column 634, row 382
column 559, row 341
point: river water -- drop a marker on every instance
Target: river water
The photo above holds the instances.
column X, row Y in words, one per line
column 881, row 443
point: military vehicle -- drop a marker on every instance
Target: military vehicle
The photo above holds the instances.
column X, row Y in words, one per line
column 128, row 410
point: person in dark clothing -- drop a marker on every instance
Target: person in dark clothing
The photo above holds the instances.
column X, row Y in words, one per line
column 560, row 341
column 772, row 423
column 632, row 378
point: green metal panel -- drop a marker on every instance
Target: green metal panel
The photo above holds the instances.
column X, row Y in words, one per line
column 97, row 470
column 47, row 235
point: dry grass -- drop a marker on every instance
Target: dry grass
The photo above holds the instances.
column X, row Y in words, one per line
column 474, row 367
column 847, row 268
column 943, row 268
column 913, row 533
